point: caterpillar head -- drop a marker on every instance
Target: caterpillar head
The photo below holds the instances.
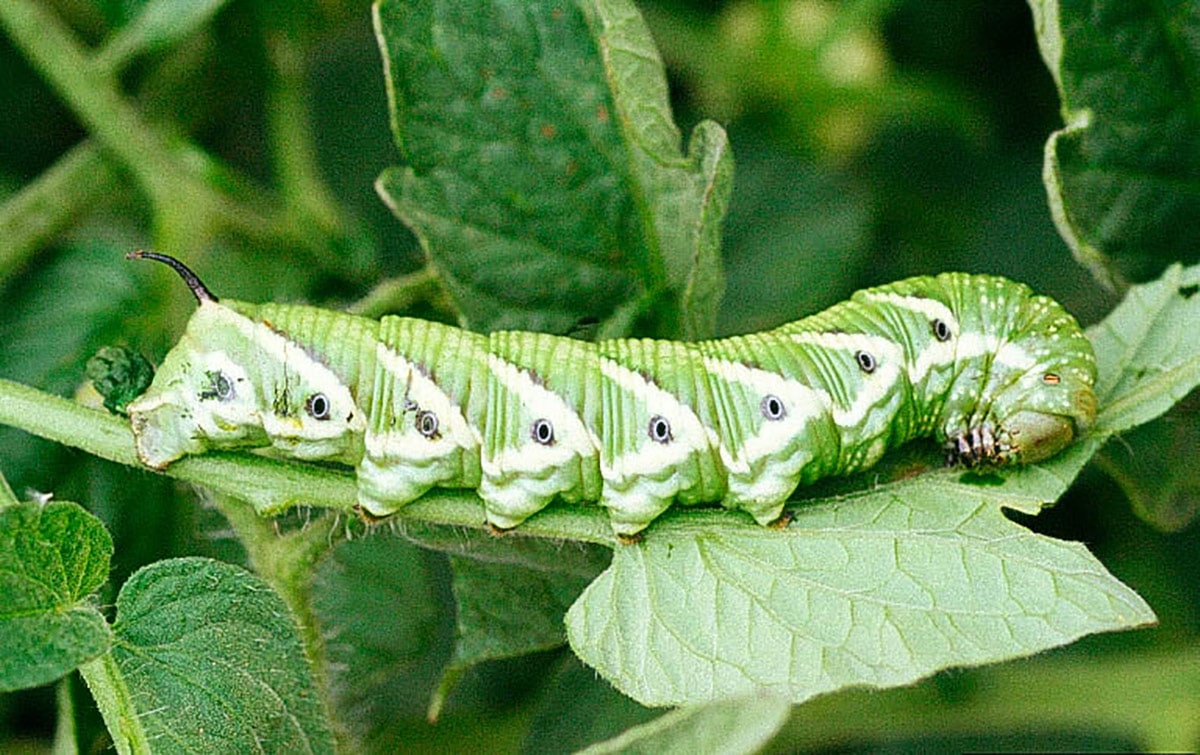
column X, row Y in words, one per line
column 1039, row 389
column 233, row 381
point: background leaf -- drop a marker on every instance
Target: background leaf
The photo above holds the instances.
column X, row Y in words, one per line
column 384, row 615
column 577, row 708
column 511, row 600
column 1154, row 465
column 1147, row 354
column 53, row 558
column 540, row 148
column 1124, row 173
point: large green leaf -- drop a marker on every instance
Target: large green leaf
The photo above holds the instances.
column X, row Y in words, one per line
column 545, row 176
column 512, row 595
column 879, row 588
column 207, row 658
column 52, row 559
column 1123, row 175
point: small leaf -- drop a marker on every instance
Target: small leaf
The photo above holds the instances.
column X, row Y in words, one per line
column 1147, row 353
column 52, row 559
column 119, row 375
column 878, row 588
column 577, row 708
column 728, row 726
column 1122, row 175
column 213, row 662
column 386, row 624
column 1155, row 466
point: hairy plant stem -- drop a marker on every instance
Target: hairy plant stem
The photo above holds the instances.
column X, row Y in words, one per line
column 116, row 705
column 270, row 486
column 288, row 562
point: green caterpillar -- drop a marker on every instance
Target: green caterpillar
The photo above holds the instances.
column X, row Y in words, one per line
column 997, row 374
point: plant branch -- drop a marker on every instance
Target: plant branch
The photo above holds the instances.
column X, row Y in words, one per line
column 184, row 184
column 270, row 486
column 399, row 294
column 115, row 701
column 92, row 94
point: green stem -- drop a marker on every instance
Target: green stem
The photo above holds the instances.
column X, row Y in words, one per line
column 288, row 562
column 64, row 729
column 270, row 486
column 92, row 94
column 7, row 496
column 398, row 294
column 116, row 705
column 180, row 181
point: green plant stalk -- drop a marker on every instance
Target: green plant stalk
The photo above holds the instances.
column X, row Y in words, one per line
column 271, row 486
column 92, row 94
column 64, row 727
column 187, row 203
column 116, row 705
column 397, row 294
column 288, row 563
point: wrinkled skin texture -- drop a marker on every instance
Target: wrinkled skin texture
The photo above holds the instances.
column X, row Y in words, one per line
column 992, row 371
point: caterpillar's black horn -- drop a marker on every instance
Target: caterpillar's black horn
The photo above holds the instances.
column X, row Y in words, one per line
column 199, row 289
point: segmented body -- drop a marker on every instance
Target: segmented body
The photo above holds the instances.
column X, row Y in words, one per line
column 982, row 364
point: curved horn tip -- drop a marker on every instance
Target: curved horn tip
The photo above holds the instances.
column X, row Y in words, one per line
column 199, row 290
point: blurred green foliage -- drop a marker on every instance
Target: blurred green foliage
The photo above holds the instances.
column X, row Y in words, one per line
column 873, row 139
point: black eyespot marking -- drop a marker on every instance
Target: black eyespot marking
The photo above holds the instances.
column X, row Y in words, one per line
column 219, row 387
column 1051, row 378
column 772, row 408
column 542, row 432
column 866, row 362
column 318, row 406
column 427, row 423
column 941, row 330
column 660, row 429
